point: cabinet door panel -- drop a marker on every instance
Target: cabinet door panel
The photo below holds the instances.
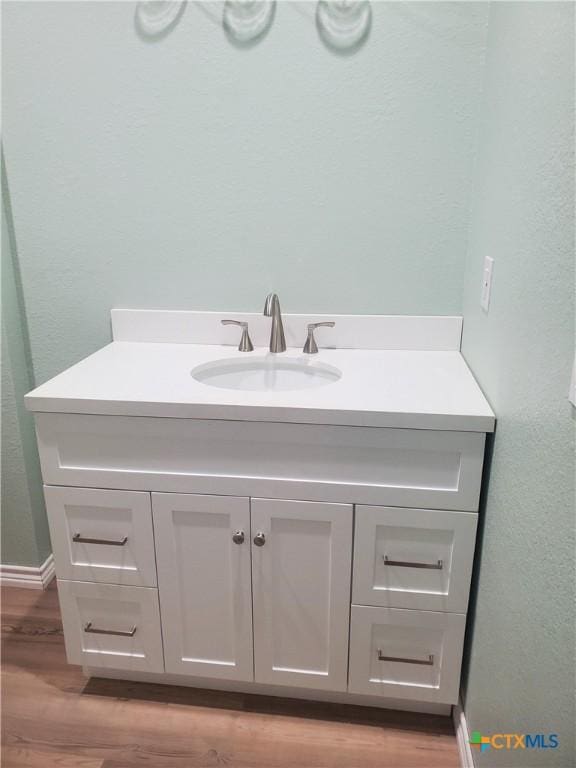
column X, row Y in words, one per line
column 301, row 592
column 204, row 584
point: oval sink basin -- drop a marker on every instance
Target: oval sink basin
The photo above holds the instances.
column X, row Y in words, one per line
column 265, row 374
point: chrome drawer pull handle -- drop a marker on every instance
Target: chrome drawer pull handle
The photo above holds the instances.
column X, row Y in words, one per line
column 427, row 662
column 437, row 566
column 78, row 538
column 121, row 633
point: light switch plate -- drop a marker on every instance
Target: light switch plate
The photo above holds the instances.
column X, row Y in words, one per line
column 486, row 283
column 572, row 390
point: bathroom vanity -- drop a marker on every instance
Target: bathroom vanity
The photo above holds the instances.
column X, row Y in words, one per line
column 286, row 523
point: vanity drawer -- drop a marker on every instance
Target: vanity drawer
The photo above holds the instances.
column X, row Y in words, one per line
column 111, row 627
column 413, row 558
column 307, row 462
column 101, row 535
column 406, row 654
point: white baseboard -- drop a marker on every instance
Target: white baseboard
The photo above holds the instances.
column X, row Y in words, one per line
column 462, row 736
column 26, row 576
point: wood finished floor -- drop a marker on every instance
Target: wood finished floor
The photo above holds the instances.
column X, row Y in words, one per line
column 53, row 717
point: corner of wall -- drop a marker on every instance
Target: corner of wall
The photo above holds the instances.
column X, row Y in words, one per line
column 25, row 535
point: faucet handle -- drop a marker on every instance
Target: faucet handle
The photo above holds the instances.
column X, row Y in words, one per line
column 310, row 347
column 245, row 341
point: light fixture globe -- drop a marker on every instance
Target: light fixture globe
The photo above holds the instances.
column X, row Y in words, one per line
column 343, row 24
column 246, row 21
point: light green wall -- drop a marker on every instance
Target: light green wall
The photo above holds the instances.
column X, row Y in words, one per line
column 190, row 173
column 521, row 666
column 25, row 538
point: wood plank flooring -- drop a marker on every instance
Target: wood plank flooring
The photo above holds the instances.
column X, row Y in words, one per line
column 52, row 717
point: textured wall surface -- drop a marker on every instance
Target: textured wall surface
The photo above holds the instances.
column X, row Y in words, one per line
column 25, row 537
column 191, row 173
column 521, row 666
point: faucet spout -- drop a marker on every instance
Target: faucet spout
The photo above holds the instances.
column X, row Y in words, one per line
column 272, row 309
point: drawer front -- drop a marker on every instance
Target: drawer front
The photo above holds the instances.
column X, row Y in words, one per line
column 406, row 654
column 111, row 627
column 308, row 462
column 103, row 536
column 413, row 558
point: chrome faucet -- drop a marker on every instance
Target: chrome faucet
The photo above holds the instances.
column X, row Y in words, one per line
column 272, row 309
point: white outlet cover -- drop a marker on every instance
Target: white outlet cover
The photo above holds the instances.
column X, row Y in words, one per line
column 486, row 283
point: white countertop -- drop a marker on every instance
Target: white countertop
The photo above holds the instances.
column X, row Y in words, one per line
column 380, row 388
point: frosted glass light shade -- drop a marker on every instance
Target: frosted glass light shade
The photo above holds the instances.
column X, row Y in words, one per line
column 343, row 24
column 247, row 20
column 156, row 16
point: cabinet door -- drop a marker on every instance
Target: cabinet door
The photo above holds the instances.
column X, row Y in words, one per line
column 301, row 562
column 204, row 584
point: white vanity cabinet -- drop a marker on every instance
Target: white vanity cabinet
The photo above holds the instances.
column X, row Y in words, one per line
column 283, row 593
column 307, row 545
